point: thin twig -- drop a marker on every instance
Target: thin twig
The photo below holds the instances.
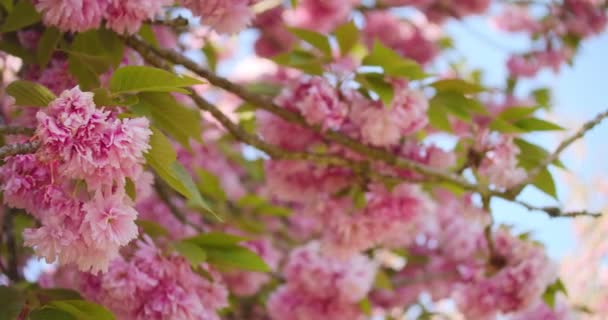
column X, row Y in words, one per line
column 267, row 104
column 556, row 212
column 558, row 151
column 16, row 130
column 21, row 148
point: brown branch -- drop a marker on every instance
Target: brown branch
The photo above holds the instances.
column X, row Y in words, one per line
column 21, row 148
column 556, row 212
column 264, row 103
column 164, row 194
column 16, row 130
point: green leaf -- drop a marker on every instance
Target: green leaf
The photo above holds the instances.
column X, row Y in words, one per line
column 438, row 117
column 392, row 63
column 134, row 79
column 210, row 185
column 11, row 303
column 535, row 124
column 531, row 155
column 130, row 189
column 516, row 113
column 181, row 122
column 313, row 38
column 91, row 54
column 551, row 292
column 236, row 257
column 193, row 253
column 47, row 44
column 383, row 281
column 147, row 34
column 152, row 228
column 347, row 36
column 544, row 181
column 216, row 240
column 10, row 44
column 366, row 306
column 376, row 83
column 501, row 125
column 457, row 85
column 23, row 14
column 542, row 97
column 211, row 55
column 7, row 5
column 458, row 105
column 46, row 295
column 301, row 60
column 30, row 94
column 48, row 313
column 83, row 310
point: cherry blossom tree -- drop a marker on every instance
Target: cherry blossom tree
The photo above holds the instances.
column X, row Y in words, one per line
column 281, row 160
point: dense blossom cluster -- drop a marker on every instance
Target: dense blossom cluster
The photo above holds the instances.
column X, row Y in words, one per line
column 74, row 185
column 365, row 188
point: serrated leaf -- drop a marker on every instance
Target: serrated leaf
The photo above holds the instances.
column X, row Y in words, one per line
column 216, row 240
column 457, row 85
column 11, row 303
column 135, row 79
column 152, row 228
column 236, row 257
column 313, row 38
column 535, row 124
column 193, row 253
column 47, row 44
column 23, row 14
column 83, row 310
column 347, row 36
column 30, row 94
column 179, row 121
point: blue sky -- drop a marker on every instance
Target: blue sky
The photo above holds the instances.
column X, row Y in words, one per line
column 579, row 93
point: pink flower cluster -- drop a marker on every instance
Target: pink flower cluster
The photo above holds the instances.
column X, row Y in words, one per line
column 153, row 285
column 224, row 16
column 499, row 165
column 122, row 16
column 439, row 10
column 74, row 184
column 405, row 38
column 274, row 37
column 389, row 219
column 321, row 287
column 385, row 126
column 317, row 100
column 320, row 15
column 514, row 279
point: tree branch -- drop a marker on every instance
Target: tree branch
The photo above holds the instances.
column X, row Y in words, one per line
column 264, row 103
column 556, row 212
column 165, row 196
column 21, row 148
column 589, row 125
column 16, row 130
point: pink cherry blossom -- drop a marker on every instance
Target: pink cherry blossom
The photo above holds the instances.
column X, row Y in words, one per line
column 317, row 100
column 224, row 16
column 499, row 165
column 127, row 16
column 319, row 15
column 72, row 15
